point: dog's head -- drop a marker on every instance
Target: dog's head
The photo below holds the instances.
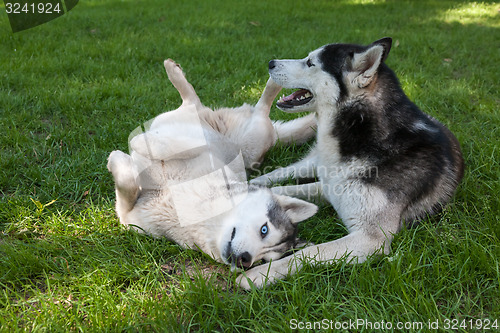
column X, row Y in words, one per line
column 262, row 226
column 329, row 75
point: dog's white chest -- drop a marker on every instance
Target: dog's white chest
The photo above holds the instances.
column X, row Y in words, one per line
column 342, row 185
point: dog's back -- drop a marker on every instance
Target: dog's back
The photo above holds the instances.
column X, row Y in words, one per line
column 414, row 158
column 381, row 162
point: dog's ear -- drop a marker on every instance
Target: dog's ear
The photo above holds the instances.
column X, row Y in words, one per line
column 297, row 210
column 366, row 63
column 386, row 43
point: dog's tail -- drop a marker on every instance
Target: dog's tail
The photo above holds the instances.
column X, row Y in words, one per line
column 297, row 130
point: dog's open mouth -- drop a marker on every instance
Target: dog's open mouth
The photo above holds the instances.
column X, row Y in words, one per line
column 299, row 97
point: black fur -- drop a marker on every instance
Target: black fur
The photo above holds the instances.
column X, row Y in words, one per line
column 280, row 220
column 277, row 216
column 333, row 61
column 385, row 136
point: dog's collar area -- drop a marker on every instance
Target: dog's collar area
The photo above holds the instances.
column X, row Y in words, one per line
column 299, row 97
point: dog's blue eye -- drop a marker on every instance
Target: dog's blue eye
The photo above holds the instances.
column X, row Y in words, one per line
column 264, row 229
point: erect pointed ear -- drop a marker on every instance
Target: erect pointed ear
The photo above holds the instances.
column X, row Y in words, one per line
column 386, row 43
column 366, row 63
column 297, row 210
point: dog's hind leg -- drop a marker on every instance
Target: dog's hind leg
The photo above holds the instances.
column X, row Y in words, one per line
column 125, row 175
column 178, row 79
column 305, row 168
column 297, row 130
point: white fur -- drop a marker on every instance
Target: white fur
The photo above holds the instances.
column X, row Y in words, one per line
column 185, row 176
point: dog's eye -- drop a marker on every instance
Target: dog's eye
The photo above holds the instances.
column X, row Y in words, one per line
column 264, row 230
column 309, row 63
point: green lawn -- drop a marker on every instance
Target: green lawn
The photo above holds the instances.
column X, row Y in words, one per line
column 72, row 90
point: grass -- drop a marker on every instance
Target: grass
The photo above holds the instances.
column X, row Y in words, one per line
column 72, row 90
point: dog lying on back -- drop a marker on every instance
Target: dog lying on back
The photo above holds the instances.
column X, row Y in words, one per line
column 185, row 178
column 381, row 162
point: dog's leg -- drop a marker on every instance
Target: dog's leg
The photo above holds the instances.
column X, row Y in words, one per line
column 358, row 245
column 266, row 99
column 303, row 191
column 178, row 79
column 297, row 131
column 304, row 168
column 125, row 175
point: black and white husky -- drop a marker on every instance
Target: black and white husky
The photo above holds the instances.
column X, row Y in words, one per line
column 185, row 178
column 381, row 162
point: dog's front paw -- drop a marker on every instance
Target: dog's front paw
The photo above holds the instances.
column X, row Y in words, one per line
column 261, row 181
column 255, row 276
column 280, row 190
column 263, row 275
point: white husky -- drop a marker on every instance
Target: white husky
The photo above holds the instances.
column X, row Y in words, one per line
column 185, row 178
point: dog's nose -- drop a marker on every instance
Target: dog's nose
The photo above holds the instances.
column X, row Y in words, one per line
column 272, row 64
column 244, row 260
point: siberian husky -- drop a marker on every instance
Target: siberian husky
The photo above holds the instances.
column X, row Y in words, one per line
column 185, row 178
column 381, row 162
